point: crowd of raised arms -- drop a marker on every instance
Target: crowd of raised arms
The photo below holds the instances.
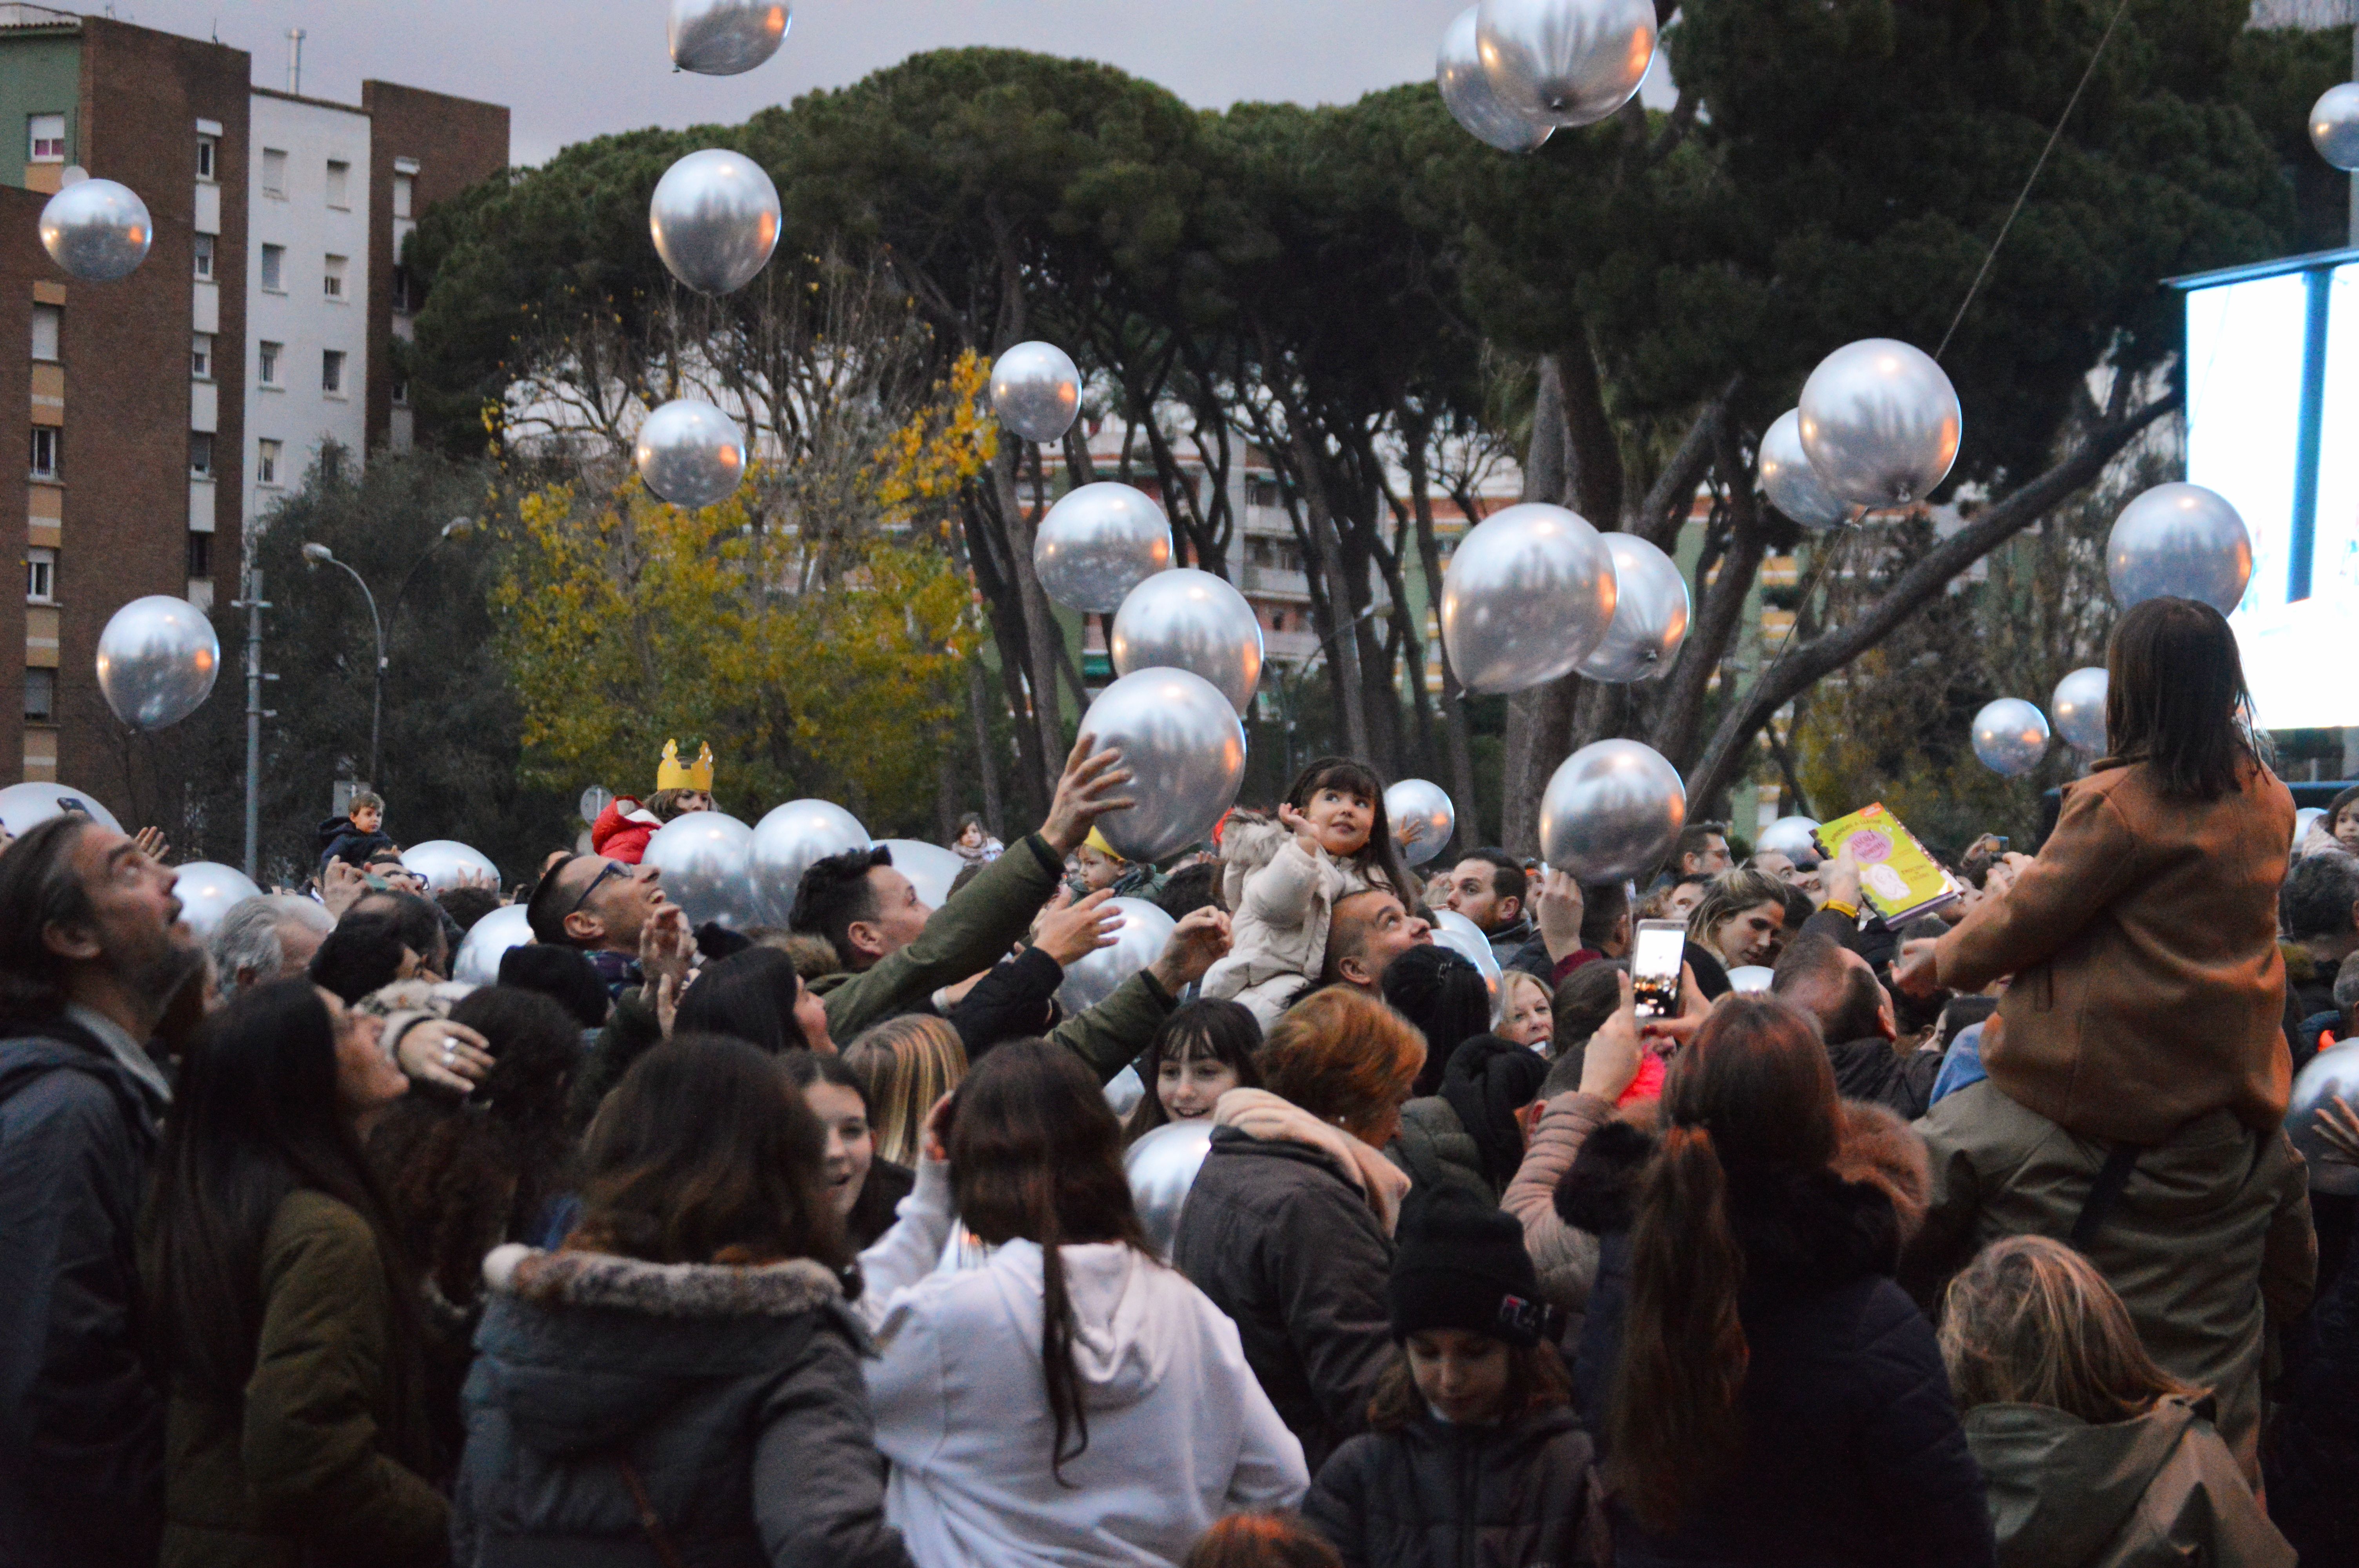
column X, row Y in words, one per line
column 1985, row 1239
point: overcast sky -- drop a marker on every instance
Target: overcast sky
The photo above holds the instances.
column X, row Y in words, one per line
column 571, row 69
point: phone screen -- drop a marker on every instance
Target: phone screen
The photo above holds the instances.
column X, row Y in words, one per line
column 1654, row 962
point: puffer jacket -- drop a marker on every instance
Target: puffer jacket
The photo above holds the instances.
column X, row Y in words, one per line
column 1564, row 1256
column 1436, row 1151
column 622, row 830
column 1851, row 1451
column 1282, row 897
column 1436, row 1496
column 734, row 1394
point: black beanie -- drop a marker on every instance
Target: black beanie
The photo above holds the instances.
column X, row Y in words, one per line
column 563, row 974
column 1459, row 1263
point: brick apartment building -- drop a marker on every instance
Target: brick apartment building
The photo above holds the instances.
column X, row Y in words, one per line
column 167, row 413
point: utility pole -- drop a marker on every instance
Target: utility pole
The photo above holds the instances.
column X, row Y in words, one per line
column 253, row 604
column 2355, row 173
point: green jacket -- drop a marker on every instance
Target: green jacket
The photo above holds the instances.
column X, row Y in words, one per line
column 320, row 1461
column 1434, row 1151
column 1112, row 1034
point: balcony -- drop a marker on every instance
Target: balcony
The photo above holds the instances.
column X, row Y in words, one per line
column 1274, row 581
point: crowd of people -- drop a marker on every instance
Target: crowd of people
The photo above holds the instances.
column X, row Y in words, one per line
column 1978, row 1241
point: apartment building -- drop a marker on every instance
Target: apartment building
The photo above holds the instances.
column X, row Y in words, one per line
column 168, row 413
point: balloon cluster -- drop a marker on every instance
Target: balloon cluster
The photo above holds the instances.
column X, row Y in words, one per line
column 1514, row 72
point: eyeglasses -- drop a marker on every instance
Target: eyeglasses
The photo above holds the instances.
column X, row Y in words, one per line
column 614, row 869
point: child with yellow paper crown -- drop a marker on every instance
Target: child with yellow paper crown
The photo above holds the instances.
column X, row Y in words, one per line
column 623, row 829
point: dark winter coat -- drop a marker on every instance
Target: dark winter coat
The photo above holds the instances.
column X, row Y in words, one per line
column 1873, row 1072
column 340, row 841
column 1015, row 999
column 1517, row 946
column 1852, row 1449
column 1436, row 1496
column 873, row 1211
column 1434, row 1149
column 734, row 1394
column 81, row 1417
column 1283, row 1243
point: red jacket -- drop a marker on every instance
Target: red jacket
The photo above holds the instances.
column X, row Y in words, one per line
column 622, row 831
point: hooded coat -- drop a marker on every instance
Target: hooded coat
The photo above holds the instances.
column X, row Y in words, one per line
column 623, row 829
column 733, row 1393
column 1512, row 1495
column 1284, row 897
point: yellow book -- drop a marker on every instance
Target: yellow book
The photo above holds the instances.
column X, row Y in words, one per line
column 1897, row 877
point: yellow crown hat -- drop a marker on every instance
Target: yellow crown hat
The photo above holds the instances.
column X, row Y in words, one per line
column 673, row 774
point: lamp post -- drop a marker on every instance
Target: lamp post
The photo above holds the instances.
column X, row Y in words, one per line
column 320, row 555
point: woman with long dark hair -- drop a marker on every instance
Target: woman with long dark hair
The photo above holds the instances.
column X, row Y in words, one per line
column 1067, row 1399
column 1762, row 1389
column 756, row 996
column 285, row 1310
column 682, row 1378
column 864, row 1189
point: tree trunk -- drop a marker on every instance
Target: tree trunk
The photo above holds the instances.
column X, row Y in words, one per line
column 1719, row 619
column 1043, row 637
column 1343, row 640
column 1593, row 472
column 978, row 708
column 1540, row 719
column 1457, row 736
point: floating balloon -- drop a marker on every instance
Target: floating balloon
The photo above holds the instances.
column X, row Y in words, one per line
column 2334, row 131
column 1124, row 1091
column 1790, row 837
column 25, row 807
column 488, row 941
column 1613, row 810
column 705, row 859
column 1137, row 942
column 1880, row 423
column 1528, row 594
column 97, row 230
column 1650, row 614
column 2079, row 708
column 2010, row 736
column 787, row 839
column 1565, row 63
column 206, row 890
column 1463, row 937
column 690, row 453
column 157, row 661
column 1181, row 741
column 1467, row 93
column 2334, row 1071
column 1422, row 819
column 1750, row 978
column 724, row 37
column 1162, row 1166
column 929, row 868
column 443, row 861
column 1191, row 620
column 1036, row 390
column 1098, row 542
column 714, row 217
column 1793, row 486
column 2179, row 541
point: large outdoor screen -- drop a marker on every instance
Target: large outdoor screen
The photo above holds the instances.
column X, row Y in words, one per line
column 2273, row 425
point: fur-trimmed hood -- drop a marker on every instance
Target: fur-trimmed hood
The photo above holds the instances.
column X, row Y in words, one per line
column 659, row 1290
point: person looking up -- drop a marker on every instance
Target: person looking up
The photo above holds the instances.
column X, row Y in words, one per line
column 1837, row 990
column 270, row 937
column 1369, row 931
column 1487, row 886
column 1702, row 850
column 1741, row 921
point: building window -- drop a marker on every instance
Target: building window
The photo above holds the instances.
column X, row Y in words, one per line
column 208, row 149
column 405, row 193
column 45, row 451
column 339, row 183
column 404, row 303
column 40, row 577
column 40, row 695
column 201, row 454
column 400, row 393
column 269, row 369
column 266, row 462
column 333, row 284
column 48, row 321
column 204, row 256
column 273, row 269
column 274, row 173
column 45, row 136
column 201, row 553
column 332, row 372
column 200, row 356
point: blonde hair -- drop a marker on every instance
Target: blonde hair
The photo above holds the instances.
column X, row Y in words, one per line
column 1728, row 896
column 2032, row 1322
column 909, row 1064
column 1508, row 980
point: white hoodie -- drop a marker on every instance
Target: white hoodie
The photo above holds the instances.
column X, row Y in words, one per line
column 1179, row 1430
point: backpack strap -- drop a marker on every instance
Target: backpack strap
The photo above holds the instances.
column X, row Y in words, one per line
column 2104, row 1193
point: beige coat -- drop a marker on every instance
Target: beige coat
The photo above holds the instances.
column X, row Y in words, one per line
column 1280, row 897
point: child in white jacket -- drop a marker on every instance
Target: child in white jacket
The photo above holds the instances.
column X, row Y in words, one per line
column 1069, row 1399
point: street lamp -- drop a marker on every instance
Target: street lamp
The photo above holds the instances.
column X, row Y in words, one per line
column 320, row 555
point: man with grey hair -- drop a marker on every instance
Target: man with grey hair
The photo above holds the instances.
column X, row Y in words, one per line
column 270, row 937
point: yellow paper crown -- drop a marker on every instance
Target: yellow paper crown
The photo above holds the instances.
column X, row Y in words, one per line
column 1096, row 841
column 672, row 773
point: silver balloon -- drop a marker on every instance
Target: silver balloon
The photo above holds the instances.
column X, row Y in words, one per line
column 1098, row 542
column 2179, row 541
column 25, row 807
column 1137, row 942
column 442, row 861
column 97, row 230
column 714, row 217
column 1036, row 390
column 1422, row 819
column 2333, row 1072
column 1181, row 741
column 1613, row 810
column 487, row 941
column 206, row 890
column 787, row 839
column 157, row 661
column 705, row 859
column 1162, row 1166
column 1750, row 978
column 1528, row 594
column 2302, row 820
column 1191, row 620
column 2079, row 708
column 1650, row 614
column 2334, row 129
column 1463, row 937
column 724, row 37
column 929, row 868
column 1565, row 63
column 2010, row 736
column 1790, row 837
column 690, row 453
column 1880, row 423
column 1792, row 485
column 1467, row 93
column 1124, row 1091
